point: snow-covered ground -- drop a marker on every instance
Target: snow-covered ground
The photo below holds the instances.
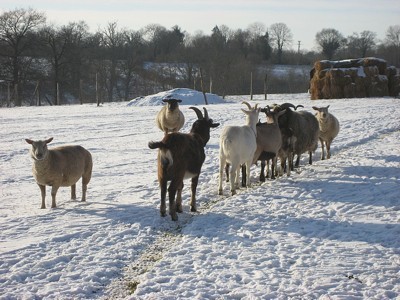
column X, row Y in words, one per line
column 330, row 231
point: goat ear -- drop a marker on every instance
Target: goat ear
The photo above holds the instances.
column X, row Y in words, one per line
column 213, row 125
column 48, row 140
column 245, row 111
column 29, row 141
column 315, row 108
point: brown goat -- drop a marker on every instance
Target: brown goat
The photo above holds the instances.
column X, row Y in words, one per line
column 61, row 166
column 181, row 156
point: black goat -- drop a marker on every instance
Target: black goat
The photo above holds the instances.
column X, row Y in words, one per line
column 181, row 156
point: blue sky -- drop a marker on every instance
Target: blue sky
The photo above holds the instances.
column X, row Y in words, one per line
column 304, row 17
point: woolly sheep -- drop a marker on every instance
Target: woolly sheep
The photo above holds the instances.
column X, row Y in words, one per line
column 328, row 129
column 170, row 118
column 61, row 166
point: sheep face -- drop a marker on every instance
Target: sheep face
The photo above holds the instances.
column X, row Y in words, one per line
column 39, row 149
column 322, row 112
column 172, row 104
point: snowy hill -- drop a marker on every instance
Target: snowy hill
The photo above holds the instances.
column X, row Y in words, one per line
column 188, row 97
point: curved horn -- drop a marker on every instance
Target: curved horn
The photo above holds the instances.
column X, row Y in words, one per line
column 198, row 112
column 255, row 107
column 287, row 105
column 206, row 114
column 299, row 106
column 247, row 103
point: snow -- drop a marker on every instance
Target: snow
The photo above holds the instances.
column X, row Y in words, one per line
column 329, row 231
column 188, row 97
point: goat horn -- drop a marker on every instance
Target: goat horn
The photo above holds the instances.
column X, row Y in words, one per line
column 255, row 107
column 205, row 113
column 299, row 106
column 287, row 105
column 247, row 103
column 198, row 112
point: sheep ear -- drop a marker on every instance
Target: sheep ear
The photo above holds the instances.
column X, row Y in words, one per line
column 48, row 140
column 29, row 141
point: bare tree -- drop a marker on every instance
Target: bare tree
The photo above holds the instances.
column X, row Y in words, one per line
column 362, row 43
column 281, row 37
column 15, row 29
column 329, row 40
column 112, row 40
column 393, row 43
column 393, row 35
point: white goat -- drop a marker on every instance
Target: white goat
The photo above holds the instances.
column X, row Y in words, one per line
column 61, row 166
column 170, row 118
column 237, row 147
column 328, row 129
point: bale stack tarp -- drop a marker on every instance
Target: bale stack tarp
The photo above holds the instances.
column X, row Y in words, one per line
column 353, row 78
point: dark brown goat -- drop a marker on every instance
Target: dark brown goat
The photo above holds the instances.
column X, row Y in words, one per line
column 181, row 156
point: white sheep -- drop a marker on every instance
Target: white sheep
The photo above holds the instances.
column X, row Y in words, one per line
column 61, row 166
column 328, row 129
column 237, row 147
column 170, row 118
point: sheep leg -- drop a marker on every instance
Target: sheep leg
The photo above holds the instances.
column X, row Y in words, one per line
column 195, row 181
column 222, row 165
column 73, row 191
column 328, row 150
column 43, row 193
column 84, row 189
column 262, row 176
column 322, row 149
column 54, row 190
column 85, row 181
column 179, row 207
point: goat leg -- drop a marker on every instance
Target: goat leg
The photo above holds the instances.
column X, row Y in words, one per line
column 163, row 208
column 179, row 208
column 172, row 204
column 195, row 181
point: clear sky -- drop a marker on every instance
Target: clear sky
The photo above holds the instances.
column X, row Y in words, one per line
column 303, row 17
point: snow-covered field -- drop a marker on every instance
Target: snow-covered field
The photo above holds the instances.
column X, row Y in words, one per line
column 330, row 231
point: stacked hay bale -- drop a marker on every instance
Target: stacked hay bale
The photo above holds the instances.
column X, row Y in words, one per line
column 362, row 77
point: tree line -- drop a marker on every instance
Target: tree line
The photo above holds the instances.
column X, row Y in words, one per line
column 44, row 63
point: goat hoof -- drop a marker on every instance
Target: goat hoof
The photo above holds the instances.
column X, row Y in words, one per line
column 233, row 192
column 43, row 207
column 193, row 209
column 163, row 214
column 174, row 217
column 220, row 192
